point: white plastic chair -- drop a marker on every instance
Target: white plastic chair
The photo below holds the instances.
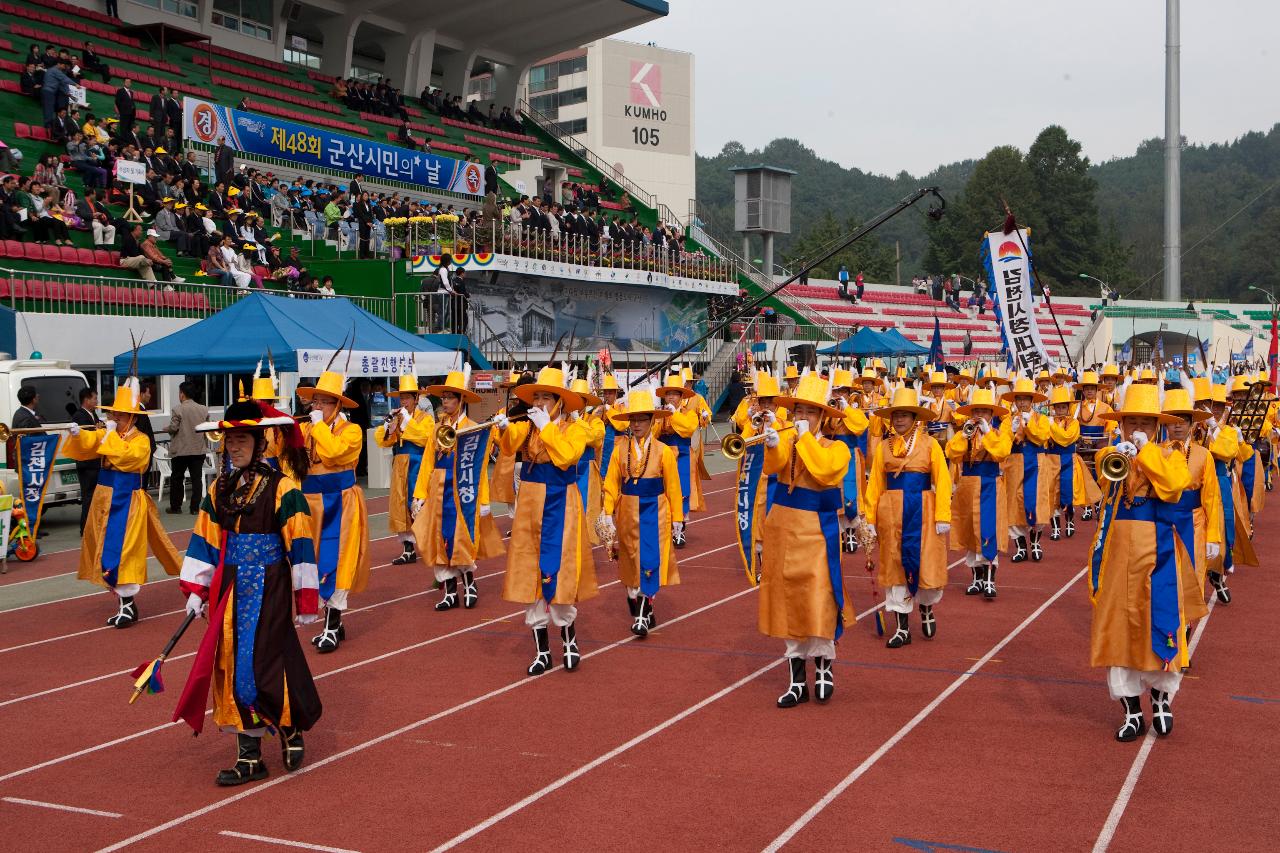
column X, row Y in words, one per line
column 165, row 466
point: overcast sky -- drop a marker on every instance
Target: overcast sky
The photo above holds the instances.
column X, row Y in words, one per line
column 912, row 84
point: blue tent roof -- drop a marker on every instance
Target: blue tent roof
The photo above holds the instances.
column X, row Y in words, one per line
column 234, row 339
column 867, row 341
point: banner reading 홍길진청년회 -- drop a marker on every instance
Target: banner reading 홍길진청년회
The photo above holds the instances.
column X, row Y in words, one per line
column 254, row 133
column 1008, row 267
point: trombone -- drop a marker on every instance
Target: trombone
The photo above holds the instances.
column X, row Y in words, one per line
column 734, row 446
column 447, row 436
column 6, row 431
column 1114, row 467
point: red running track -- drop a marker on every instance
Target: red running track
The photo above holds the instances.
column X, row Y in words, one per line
column 994, row 736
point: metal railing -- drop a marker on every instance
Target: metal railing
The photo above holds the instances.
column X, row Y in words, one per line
column 60, row 293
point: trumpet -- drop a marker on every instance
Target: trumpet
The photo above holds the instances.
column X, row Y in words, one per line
column 734, row 446
column 969, row 428
column 1114, row 468
column 6, row 431
column 447, row 436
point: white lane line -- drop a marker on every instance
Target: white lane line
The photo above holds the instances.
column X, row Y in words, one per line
column 361, row 747
column 920, row 717
column 611, row 754
column 1139, row 762
column 284, row 842
column 60, row 807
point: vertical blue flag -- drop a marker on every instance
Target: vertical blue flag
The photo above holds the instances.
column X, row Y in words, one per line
column 36, row 455
column 1246, row 354
column 935, row 349
column 1126, row 353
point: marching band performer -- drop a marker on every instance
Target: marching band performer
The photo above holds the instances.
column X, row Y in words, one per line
column 872, row 397
column 850, row 430
column 1252, row 477
column 908, row 499
column 502, row 477
column 407, row 431
column 979, row 508
column 1197, row 516
column 765, row 413
column 250, row 563
column 122, row 521
column 677, row 432
column 641, row 502
column 614, row 425
column 791, row 378
column 589, row 472
column 960, row 394
column 941, row 408
column 453, row 535
column 339, row 517
column 549, row 564
column 1043, row 382
column 1095, row 431
column 1110, row 378
column 1138, row 631
column 1223, row 441
column 1075, row 485
column 1029, row 471
column 802, row 596
column 265, row 389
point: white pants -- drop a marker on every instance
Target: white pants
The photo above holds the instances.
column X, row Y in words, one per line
column 408, row 536
column 897, row 599
column 1016, row 530
column 975, row 558
column 103, row 234
column 1122, row 681
column 539, row 614
column 444, row 573
column 261, row 731
column 814, row 647
column 338, row 601
column 126, row 590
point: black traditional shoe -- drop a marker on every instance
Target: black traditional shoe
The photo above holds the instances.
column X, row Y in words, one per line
column 848, row 541
column 408, row 555
column 902, row 636
column 1161, row 713
column 677, row 534
column 1071, row 522
column 1055, row 533
column 248, row 766
column 292, row 751
column 333, row 634
column 449, row 600
column 1219, row 582
column 1087, row 514
column 989, row 582
column 640, row 626
column 470, row 595
column 1020, row 554
column 975, row 588
column 126, row 615
column 928, row 623
column 824, row 683
column 798, row 691
column 571, row 656
column 1134, row 725
column 633, row 606
column 1037, row 553
column 542, row 662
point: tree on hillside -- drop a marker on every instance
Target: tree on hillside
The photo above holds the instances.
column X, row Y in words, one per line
column 870, row 255
column 1066, row 236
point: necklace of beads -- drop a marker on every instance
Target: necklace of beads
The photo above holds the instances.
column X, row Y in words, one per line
column 632, row 474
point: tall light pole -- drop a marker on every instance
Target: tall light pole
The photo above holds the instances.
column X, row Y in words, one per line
column 1172, row 291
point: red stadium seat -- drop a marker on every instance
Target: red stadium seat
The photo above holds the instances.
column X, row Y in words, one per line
column 21, row 130
column 52, row 254
column 19, row 288
column 102, row 258
column 35, row 288
column 4, row 288
column 84, row 257
column 55, row 290
column 90, row 293
column 69, row 254
column 13, row 249
column 33, row 251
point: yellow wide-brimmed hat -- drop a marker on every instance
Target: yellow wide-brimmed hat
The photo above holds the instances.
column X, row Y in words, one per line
column 766, row 385
column 1023, row 387
column 812, row 390
column 609, row 383
column 1112, row 370
column 642, row 402
column 905, row 400
column 264, row 389
column 126, row 399
column 869, row 373
column 330, row 385
column 791, row 373
column 1146, row 376
column 455, row 383
column 965, row 374
column 841, row 378
column 675, row 383
column 1203, row 386
column 1061, row 394
column 1178, row 402
column 1240, row 384
column 1060, row 373
column 983, row 398
column 408, row 385
column 583, row 390
column 879, row 364
column 1217, row 394
column 550, row 380
column 1140, row 401
column 1089, row 377
column 686, row 373
column 939, row 377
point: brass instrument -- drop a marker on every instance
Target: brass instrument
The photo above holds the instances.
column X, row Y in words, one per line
column 1114, row 468
column 734, row 446
column 6, row 431
column 447, row 436
column 969, row 428
column 1249, row 414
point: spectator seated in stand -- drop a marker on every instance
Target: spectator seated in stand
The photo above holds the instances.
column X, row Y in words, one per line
column 161, row 264
column 131, row 254
column 406, row 138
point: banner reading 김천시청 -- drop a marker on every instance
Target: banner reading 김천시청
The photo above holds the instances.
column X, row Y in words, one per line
column 1009, row 271
column 254, row 133
column 36, row 455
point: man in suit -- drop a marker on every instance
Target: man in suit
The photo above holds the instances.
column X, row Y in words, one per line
column 173, row 117
column 87, row 472
column 25, row 417
column 126, row 106
column 190, row 168
column 354, row 189
column 90, row 61
column 490, row 179
column 186, row 448
column 143, row 422
column 224, row 162
column 157, row 113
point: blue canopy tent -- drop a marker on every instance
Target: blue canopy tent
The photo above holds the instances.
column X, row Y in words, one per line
column 302, row 334
column 868, row 342
column 901, row 345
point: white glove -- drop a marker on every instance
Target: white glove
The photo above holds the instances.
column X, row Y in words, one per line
column 111, row 426
column 416, row 506
column 771, row 437
column 669, row 407
column 768, row 418
column 576, row 415
column 316, row 416
column 538, row 418
column 1026, row 418
column 802, row 427
column 74, row 429
column 1212, row 550
column 501, row 421
column 485, row 510
column 842, row 403
column 1212, row 423
column 942, row 528
column 984, row 427
column 926, row 401
column 404, row 417
column 1128, row 448
column 195, row 604
column 1140, row 439
column 307, row 618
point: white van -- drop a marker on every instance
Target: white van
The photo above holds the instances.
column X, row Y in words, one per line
column 59, row 389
